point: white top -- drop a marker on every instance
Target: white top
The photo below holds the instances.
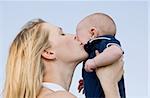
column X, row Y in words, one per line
column 53, row 86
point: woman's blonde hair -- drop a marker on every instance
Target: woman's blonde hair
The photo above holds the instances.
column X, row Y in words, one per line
column 24, row 68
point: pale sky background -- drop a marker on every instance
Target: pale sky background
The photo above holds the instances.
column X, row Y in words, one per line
column 131, row 18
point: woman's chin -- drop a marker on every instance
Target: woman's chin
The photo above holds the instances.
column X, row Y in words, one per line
column 84, row 56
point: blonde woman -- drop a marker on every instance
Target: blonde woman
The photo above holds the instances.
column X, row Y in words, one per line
column 41, row 62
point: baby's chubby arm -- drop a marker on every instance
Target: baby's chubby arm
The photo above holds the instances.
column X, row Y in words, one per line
column 110, row 55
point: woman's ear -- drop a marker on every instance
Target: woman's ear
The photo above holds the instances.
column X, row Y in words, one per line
column 48, row 54
column 93, row 32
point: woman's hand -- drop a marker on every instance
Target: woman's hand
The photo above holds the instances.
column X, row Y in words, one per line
column 81, row 86
column 109, row 77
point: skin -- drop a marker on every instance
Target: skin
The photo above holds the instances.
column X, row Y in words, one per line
column 90, row 27
column 106, row 74
column 59, row 66
column 61, row 60
column 87, row 30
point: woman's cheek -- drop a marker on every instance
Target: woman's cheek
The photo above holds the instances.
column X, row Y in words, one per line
column 70, row 44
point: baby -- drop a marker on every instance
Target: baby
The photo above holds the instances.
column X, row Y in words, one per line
column 97, row 32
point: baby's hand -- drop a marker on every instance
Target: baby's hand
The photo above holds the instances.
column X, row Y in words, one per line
column 90, row 65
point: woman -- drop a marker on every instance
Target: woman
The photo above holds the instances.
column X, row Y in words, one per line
column 42, row 60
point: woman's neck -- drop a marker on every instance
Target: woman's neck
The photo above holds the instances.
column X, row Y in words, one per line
column 60, row 74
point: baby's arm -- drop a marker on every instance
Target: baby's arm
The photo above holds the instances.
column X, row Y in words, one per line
column 107, row 57
column 110, row 55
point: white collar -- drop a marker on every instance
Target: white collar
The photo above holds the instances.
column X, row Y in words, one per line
column 53, row 86
column 99, row 38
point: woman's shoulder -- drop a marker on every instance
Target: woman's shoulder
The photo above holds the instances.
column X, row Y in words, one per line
column 58, row 94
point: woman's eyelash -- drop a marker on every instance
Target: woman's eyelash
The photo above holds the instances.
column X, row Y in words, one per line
column 62, row 34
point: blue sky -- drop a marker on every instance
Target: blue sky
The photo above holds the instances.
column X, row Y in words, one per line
column 131, row 18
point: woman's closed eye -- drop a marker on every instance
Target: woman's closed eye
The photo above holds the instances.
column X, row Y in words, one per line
column 63, row 34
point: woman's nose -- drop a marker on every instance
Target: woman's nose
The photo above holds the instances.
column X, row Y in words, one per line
column 75, row 37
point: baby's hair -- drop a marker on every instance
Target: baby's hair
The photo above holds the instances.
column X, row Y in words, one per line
column 102, row 22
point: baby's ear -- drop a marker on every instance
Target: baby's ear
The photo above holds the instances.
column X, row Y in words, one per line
column 93, row 31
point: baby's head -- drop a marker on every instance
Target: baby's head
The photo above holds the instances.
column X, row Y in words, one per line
column 94, row 25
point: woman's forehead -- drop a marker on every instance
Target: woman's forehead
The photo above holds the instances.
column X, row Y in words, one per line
column 50, row 27
column 53, row 30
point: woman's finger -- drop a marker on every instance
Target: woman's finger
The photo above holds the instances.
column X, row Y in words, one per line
column 80, row 88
